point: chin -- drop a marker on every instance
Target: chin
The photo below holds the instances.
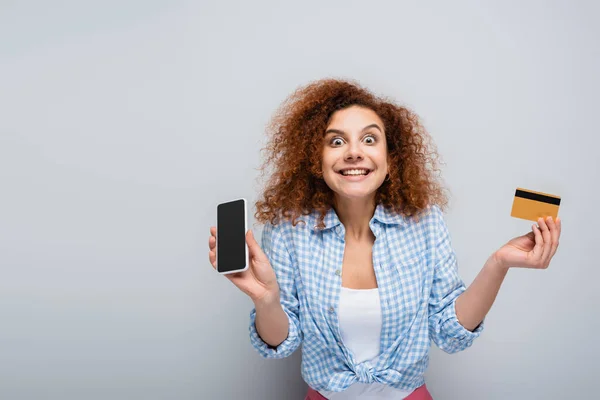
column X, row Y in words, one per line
column 355, row 194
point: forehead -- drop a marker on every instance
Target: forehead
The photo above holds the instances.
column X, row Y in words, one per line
column 354, row 117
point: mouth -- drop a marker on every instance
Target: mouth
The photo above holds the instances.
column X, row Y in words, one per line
column 354, row 172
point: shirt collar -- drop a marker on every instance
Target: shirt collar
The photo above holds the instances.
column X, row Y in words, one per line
column 387, row 216
column 382, row 214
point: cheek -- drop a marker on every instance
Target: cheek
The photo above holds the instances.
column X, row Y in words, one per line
column 328, row 173
column 384, row 159
column 328, row 159
column 380, row 157
column 329, row 178
column 326, row 167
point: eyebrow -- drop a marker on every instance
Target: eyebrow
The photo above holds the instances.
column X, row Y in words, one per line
column 339, row 132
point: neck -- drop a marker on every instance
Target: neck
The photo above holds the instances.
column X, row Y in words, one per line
column 355, row 215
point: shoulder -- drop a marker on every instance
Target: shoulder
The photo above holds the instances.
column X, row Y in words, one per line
column 433, row 214
column 424, row 227
column 434, row 222
column 285, row 233
column 285, row 227
column 430, row 216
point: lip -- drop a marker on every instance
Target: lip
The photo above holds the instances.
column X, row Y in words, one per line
column 355, row 178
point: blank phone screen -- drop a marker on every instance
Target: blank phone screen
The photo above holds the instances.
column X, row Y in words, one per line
column 231, row 236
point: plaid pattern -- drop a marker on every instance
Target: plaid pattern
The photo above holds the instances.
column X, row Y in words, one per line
column 417, row 276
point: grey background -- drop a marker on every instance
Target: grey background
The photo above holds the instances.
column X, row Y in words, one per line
column 123, row 124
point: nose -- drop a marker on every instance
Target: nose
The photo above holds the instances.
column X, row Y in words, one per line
column 354, row 153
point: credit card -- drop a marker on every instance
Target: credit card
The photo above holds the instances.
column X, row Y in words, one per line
column 532, row 205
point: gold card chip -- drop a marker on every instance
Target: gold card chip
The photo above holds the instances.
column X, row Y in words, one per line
column 532, row 205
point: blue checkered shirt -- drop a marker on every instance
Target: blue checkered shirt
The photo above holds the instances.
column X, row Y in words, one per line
column 416, row 271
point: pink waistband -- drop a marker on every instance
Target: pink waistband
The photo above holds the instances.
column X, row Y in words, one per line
column 420, row 393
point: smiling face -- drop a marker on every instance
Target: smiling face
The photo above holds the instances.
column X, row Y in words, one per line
column 354, row 160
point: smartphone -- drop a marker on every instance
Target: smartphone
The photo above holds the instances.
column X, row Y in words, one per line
column 232, row 251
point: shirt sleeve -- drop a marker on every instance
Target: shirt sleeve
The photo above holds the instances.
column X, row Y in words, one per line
column 274, row 246
column 444, row 329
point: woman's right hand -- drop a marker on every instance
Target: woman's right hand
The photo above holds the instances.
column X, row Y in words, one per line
column 259, row 281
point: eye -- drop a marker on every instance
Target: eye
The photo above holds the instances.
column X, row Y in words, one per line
column 370, row 139
column 337, row 141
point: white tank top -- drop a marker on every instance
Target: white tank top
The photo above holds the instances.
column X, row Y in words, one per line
column 360, row 325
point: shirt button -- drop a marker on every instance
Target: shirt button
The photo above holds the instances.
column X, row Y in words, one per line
column 338, row 272
column 331, row 309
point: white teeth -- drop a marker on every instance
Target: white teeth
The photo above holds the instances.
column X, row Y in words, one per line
column 355, row 172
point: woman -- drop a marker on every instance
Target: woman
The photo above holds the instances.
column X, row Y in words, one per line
column 357, row 264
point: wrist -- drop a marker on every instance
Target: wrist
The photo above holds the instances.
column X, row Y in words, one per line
column 268, row 301
column 497, row 263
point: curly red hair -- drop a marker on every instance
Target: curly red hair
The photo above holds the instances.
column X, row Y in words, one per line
column 296, row 187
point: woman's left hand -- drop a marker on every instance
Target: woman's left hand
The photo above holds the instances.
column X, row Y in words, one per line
column 533, row 250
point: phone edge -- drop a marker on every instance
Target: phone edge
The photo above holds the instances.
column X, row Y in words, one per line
column 246, row 259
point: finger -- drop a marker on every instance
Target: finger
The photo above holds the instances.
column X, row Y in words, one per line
column 212, row 257
column 554, row 234
column 253, row 247
column 539, row 244
column 213, row 231
column 212, row 242
column 547, row 235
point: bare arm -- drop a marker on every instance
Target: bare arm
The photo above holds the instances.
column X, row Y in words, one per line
column 260, row 284
column 271, row 322
column 474, row 303
column 532, row 250
column 274, row 321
